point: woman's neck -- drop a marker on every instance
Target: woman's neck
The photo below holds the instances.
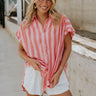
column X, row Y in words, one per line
column 42, row 17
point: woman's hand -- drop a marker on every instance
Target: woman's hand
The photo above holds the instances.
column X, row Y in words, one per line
column 35, row 64
column 55, row 78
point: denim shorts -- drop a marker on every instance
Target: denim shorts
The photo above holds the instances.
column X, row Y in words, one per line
column 33, row 83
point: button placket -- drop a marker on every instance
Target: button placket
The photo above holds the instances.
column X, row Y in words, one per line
column 45, row 26
column 46, row 51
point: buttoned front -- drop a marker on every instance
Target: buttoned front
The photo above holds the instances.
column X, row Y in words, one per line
column 45, row 44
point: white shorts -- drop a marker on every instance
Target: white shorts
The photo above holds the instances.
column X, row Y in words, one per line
column 33, row 83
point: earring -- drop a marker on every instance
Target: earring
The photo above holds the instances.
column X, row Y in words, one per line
column 35, row 6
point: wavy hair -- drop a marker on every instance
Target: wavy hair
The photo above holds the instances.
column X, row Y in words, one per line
column 31, row 12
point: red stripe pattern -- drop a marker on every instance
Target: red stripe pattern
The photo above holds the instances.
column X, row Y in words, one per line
column 45, row 44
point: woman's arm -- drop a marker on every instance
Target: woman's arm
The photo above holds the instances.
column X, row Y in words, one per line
column 67, row 51
column 22, row 53
column 24, row 56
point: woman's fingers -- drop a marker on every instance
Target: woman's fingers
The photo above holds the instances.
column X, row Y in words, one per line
column 37, row 68
column 38, row 63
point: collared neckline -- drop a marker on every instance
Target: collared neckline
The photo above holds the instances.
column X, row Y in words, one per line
column 35, row 17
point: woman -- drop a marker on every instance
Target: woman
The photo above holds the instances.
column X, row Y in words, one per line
column 45, row 44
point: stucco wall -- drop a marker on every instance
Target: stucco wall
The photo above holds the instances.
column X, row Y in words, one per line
column 82, row 13
column 82, row 75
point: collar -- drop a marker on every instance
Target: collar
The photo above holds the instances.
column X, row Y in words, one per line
column 35, row 17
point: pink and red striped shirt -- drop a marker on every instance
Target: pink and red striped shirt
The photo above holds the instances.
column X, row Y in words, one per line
column 45, row 44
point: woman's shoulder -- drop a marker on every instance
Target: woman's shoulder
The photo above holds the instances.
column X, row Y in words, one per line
column 64, row 16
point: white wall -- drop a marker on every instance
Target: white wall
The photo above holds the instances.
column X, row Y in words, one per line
column 82, row 75
column 82, row 13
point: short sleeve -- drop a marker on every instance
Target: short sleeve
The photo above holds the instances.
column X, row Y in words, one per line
column 68, row 27
column 19, row 33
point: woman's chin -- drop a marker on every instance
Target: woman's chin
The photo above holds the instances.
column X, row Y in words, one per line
column 42, row 11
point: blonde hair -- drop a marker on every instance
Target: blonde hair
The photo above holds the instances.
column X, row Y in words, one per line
column 31, row 12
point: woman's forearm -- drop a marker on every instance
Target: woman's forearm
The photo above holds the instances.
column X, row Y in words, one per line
column 23, row 55
column 65, row 57
column 67, row 51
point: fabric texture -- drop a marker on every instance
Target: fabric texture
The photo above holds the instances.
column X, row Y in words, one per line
column 33, row 83
column 45, row 44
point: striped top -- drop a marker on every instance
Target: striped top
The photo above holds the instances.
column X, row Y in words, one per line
column 45, row 44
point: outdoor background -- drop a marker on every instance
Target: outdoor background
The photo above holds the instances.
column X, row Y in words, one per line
column 82, row 62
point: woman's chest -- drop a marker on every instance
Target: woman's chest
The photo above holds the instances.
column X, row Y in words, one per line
column 35, row 34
